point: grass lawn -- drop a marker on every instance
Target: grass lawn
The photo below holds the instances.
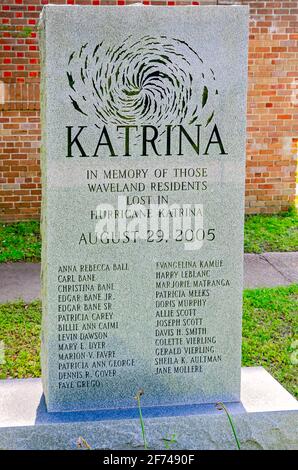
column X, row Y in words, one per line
column 271, row 232
column 21, row 241
column 20, row 333
column 270, row 326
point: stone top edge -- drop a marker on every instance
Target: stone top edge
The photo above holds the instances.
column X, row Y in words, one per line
column 52, row 7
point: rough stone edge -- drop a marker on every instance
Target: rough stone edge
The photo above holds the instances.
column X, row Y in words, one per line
column 267, row 431
column 43, row 163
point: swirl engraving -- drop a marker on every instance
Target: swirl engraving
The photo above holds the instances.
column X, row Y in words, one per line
column 151, row 80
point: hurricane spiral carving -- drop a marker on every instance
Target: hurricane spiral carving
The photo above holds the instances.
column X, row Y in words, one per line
column 149, row 81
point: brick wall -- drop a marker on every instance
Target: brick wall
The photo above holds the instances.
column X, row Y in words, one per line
column 272, row 103
column 272, row 115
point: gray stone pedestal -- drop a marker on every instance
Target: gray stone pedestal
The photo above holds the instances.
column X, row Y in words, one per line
column 266, row 418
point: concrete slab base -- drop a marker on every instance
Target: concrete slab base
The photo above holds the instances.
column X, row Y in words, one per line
column 266, row 418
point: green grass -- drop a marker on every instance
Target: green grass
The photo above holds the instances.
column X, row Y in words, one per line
column 270, row 327
column 20, row 333
column 20, row 241
column 271, row 232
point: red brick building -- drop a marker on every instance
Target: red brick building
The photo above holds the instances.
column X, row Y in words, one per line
column 272, row 116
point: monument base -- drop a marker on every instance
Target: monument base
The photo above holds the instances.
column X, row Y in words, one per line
column 266, row 418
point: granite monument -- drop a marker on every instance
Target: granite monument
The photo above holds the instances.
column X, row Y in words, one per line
column 143, row 167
